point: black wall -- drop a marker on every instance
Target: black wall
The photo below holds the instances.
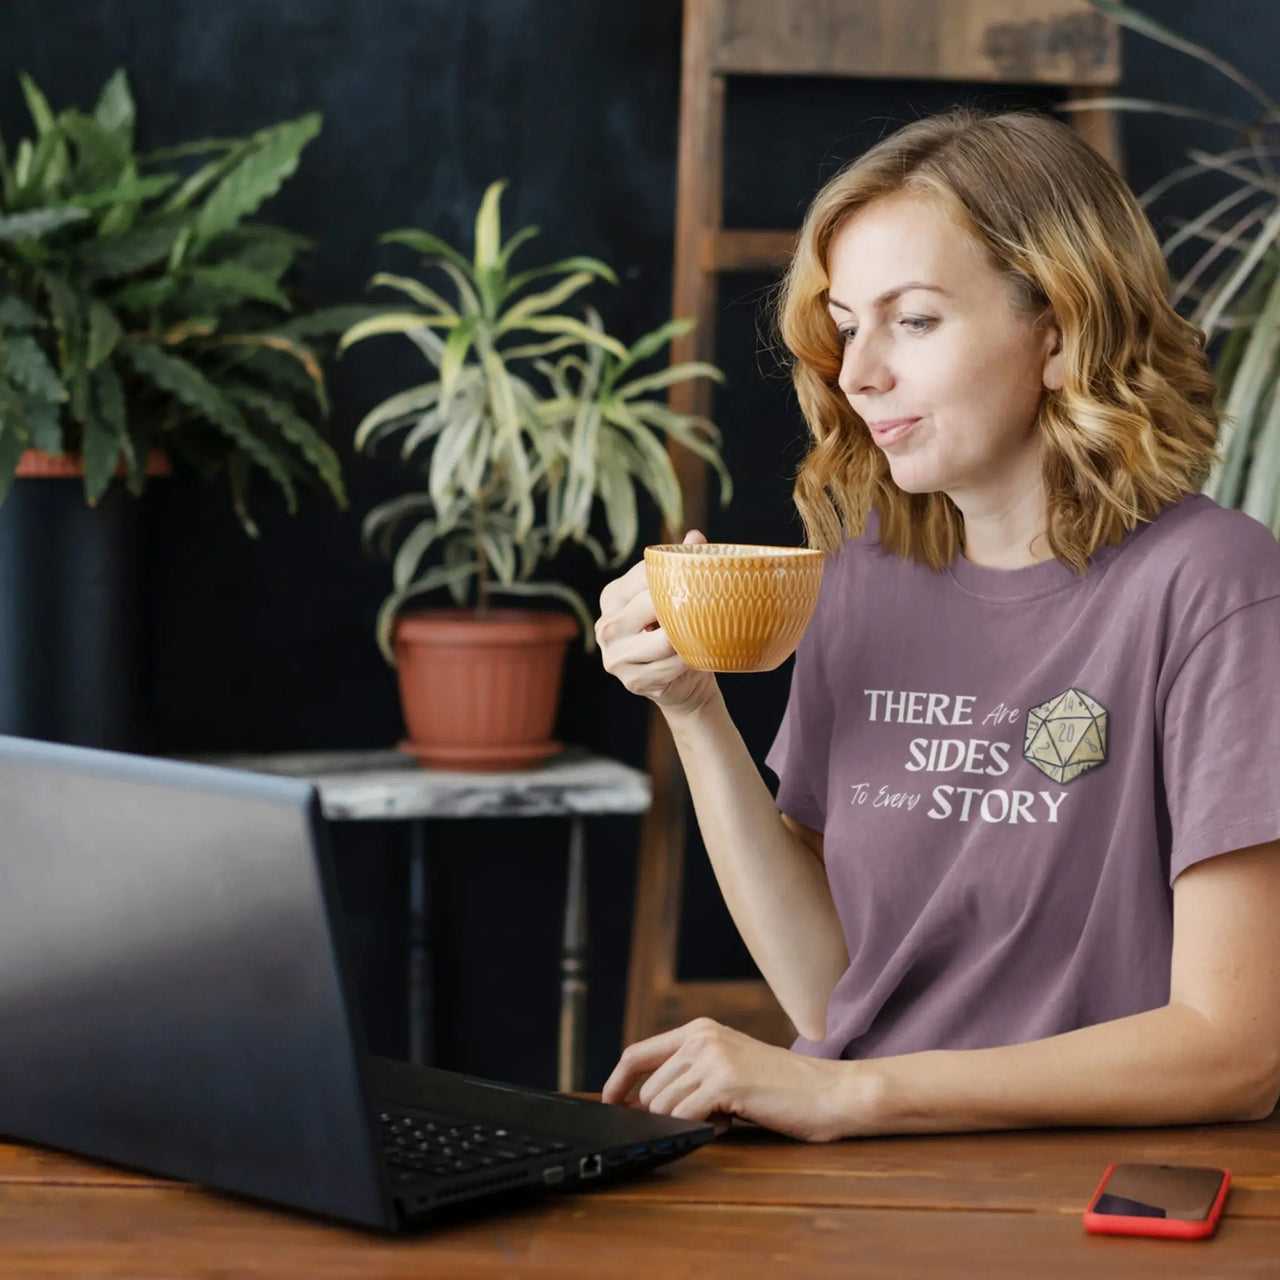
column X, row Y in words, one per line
column 260, row 646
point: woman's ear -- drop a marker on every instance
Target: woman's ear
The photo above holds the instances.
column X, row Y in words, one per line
column 1053, row 355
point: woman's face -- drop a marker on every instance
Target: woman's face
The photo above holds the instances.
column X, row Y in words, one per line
column 938, row 362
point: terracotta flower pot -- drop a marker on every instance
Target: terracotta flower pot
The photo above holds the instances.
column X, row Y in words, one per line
column 481, row 694
column 36, row 464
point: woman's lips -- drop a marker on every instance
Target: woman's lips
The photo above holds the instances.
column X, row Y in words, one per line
column 891, row 430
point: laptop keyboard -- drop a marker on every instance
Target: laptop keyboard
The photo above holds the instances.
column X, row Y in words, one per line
column 418, row 1144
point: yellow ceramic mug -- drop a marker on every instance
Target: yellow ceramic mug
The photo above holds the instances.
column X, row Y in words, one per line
column 729, row 606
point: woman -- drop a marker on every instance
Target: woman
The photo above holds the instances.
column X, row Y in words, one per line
column 1024, row 863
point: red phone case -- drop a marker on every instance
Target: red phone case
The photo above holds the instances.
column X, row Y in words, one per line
column 1168, row 1228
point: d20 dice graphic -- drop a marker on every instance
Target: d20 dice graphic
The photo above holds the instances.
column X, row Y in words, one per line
column 1066, row 736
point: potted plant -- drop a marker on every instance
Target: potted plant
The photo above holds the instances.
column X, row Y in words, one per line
column 162, row 309
column 1231, row 287
column 145, row 323
column 515, row 455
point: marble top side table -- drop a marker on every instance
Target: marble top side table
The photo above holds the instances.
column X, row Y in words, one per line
column 381, row 785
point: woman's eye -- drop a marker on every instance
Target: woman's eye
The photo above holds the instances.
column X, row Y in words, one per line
column 912, row 324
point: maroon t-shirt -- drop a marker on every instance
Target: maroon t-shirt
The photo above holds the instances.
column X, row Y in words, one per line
column 1010, row 768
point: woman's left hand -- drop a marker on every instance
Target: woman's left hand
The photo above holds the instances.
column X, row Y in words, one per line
column 707, row 1071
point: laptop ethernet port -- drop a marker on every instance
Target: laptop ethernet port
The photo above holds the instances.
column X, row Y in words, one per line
column 589, row 1167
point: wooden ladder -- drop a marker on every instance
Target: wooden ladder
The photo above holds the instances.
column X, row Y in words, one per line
column 1044, row 42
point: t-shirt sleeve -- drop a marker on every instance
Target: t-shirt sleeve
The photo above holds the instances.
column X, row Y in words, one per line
column 1221, row 739
column 802, row 745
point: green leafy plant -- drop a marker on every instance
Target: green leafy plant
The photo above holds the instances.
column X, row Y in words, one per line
column 30, row 390
column 513, row 450
column 159, row 307
column 1232, row 288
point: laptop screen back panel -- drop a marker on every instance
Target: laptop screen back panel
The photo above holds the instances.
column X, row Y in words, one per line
column 170, row 996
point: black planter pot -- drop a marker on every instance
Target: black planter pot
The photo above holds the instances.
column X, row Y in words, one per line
column 70, row 660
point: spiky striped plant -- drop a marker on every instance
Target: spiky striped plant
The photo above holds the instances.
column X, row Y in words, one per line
column 515, row 452
column 139, row 281
column 1232, row 288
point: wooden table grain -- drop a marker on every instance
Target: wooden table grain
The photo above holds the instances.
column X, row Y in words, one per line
column 750, row 1204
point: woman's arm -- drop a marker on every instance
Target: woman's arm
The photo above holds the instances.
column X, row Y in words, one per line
column 1211, row 1054
column 770, row 870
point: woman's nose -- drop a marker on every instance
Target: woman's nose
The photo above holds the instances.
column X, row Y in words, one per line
column 864, row 370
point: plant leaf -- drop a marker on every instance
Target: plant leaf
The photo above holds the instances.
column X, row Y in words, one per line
column 455, row 440
column 130, row 189
column 100, row 448
column 455, row 352
column 416, row 290
column 104, row 333
column 535, row 303
column 35, row 224
column 37, row 105
column 326, row 320
column 25, row 365
column 666, row 377
column 205, row 177
column 1146, row 105
column 559, row 592
column 412, row 549
column 102, row 159
column 227, row 283
column 296, row 350
column 508, row 249
column 381, row 522
column 539, row 348
column 425, row 243
column 653, row 342
column 298, row 432
column 115, row 111
column 444, row 576
column 1157, row 31
column 393, row 322
column 15, row 314
column 1243, row 401
column 500, row 551
column 657, row 472
column 1265, row 238
column 110, row 257
column 578, row 262
column 12, row 447
column 1261, row 491
column 404, row 404
column 189, row 386
column 489, row 227
column 256, row 176
column 576, row 328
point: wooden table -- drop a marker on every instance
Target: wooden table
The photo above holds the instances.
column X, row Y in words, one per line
column 750, row 1204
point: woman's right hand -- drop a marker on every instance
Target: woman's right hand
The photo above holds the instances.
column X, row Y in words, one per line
column 634, row 647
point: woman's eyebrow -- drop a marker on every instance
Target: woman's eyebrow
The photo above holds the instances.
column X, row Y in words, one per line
column 889, row 294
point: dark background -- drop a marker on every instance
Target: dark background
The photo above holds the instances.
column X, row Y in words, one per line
column 263, row 646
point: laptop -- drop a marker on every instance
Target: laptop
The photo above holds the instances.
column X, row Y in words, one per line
column 176, row 997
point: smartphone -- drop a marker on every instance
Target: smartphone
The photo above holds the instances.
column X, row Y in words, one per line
column 1171, row 1200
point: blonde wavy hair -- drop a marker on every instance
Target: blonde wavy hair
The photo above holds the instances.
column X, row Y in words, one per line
column 1135, row 424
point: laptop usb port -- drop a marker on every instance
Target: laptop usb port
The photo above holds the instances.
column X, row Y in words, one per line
column 589, row 1167
column 669, row 1145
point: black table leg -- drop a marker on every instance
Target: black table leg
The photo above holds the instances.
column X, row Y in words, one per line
column 421, row 969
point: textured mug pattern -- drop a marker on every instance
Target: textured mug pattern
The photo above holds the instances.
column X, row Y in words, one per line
column 728, row 606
